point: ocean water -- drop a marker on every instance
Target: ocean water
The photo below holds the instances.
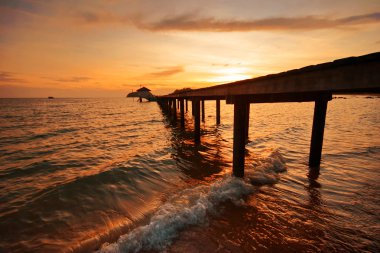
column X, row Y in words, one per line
column 114, row 175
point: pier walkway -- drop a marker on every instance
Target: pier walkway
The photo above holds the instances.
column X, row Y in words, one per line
column 316, row 83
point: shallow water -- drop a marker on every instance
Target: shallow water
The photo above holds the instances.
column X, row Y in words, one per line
column 76, row 174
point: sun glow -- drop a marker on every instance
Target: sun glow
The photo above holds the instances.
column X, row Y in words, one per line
column 225, row 75
column 108, row 48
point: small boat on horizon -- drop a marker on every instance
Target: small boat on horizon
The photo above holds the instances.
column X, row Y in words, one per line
column 50, row 97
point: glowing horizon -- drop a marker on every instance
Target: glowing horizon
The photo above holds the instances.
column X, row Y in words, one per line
column 108, row 48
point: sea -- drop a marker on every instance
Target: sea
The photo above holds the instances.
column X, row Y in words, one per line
column 115, row 175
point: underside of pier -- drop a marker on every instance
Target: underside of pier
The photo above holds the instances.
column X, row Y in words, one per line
column 315, row 83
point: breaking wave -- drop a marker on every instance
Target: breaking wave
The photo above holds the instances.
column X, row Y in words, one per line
column 192, row 206
column 267, row 169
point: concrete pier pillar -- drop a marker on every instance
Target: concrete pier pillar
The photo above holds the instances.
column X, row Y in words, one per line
column 197, row 123
column 247, row 122
column 182, row 110
column 174, row 109
column 320, row 109
column 187, row 104
column 169, row 105
column 192, row 107
column 203, row 110
column 218, row 111
column 165, row 105
column 240, row 114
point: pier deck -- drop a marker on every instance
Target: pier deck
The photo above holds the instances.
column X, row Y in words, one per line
column 312, row 83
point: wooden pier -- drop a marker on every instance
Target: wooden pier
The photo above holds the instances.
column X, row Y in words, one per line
column 315, row 83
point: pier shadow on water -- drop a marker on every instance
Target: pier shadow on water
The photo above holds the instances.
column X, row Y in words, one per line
column 197, row 160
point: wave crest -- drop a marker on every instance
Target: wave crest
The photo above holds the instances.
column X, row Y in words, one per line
column 191, row 206
column 267, row 169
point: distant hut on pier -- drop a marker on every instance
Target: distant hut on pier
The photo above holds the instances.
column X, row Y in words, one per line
column 143, row 93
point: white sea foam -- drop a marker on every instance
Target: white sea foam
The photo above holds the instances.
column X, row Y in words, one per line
column 266, row 169
column 191, row 206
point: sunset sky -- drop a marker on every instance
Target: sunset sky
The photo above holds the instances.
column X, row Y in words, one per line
column 104, row 48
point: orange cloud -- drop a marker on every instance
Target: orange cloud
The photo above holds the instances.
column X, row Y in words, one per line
column 191, row 22
column 167, row 72
column 9, row 77
column 73, row 79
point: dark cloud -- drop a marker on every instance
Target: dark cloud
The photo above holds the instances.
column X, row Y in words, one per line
column 192, row 22
column 90, row 17
column 13, row 12
column 102, row 17
column 167, row 72
column 359, row 19
column 24, row 5
column 9, row 77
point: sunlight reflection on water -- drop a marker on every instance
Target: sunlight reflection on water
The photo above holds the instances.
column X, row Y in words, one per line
column 79, row 172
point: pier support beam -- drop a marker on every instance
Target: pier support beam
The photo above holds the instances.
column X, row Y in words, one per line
column 218, row 111
column 169, row 106
column 192, row 107
column 182, row 109
column 240, row 114
column 203, row 110
column 248, row 105
column 197, row 123
column 174, row 109
column 318, row 130
column 187, row 104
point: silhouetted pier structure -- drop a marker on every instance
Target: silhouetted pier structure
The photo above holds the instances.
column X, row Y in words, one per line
column 312, row 83
column 142, row 93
